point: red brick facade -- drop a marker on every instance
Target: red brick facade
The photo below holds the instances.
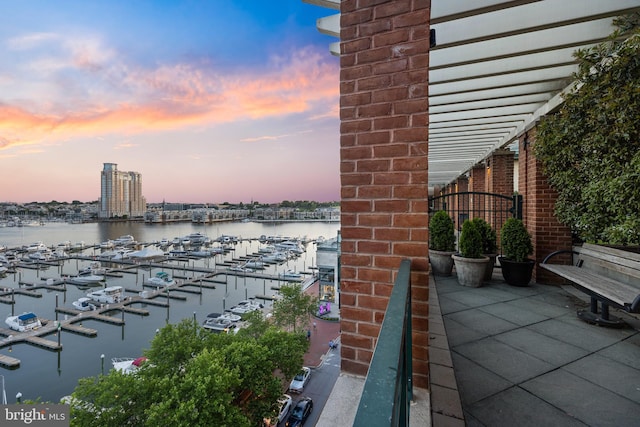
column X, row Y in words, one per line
column 547, row 233
column 383, row 151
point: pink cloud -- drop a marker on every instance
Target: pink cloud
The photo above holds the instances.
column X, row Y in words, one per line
column 126, row 100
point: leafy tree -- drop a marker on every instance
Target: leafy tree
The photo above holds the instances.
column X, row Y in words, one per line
column 590, row 149
column 194, row 378
column 294, row 307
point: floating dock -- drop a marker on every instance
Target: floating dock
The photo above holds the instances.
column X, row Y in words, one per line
column 189, row 280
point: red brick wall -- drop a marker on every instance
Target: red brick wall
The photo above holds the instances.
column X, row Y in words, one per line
column 383, row 150
column 500, row 181
column 547, row 233
column 477, row 183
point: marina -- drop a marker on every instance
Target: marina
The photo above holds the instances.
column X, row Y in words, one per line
column 48, row 362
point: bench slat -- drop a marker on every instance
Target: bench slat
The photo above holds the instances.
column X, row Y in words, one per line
column 617, row 292
column 624, row 262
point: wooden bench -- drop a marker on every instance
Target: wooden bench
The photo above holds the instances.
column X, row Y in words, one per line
column 608, row 275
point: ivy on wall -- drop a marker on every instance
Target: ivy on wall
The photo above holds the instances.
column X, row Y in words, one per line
column 590, row 148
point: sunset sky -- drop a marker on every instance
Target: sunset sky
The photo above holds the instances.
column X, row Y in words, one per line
column 210, row 100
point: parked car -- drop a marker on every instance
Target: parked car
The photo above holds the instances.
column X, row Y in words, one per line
column 300, row 412
column 300, row 380
column 285, row 403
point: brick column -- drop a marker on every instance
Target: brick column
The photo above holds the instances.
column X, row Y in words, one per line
column 477, row 180
column 539, row 198
column 500, row 177
column 477, row 183
column 383, row 150
column 500, row 181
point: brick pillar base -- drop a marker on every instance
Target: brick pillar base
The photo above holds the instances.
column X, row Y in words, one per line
column 383, row 151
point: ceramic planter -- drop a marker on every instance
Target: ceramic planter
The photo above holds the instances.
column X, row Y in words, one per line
column 441, row 262
column 470, row 271
column 517, row 273
column 488, row 273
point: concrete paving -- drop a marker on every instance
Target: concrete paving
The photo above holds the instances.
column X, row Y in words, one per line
column 322, row 331
column 521, row 357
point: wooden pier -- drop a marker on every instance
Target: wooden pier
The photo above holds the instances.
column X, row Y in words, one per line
column 189, row 280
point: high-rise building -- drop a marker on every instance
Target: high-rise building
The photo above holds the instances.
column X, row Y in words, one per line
column 121, row 193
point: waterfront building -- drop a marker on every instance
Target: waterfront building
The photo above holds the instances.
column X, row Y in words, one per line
column 121, row 193
column 328, row 262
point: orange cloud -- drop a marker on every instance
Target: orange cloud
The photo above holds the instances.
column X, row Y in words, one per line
column 173, row 97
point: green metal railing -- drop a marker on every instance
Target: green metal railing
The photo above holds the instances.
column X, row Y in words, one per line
column 388, row 389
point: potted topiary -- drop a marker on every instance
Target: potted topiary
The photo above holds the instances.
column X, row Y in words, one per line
column 516, row 245
column 470, row 263
column 489, row 244
column 442, row 240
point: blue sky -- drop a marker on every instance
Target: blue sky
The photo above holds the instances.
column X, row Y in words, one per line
column 210, row 101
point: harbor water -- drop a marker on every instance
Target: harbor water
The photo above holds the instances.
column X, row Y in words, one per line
column 49, row 375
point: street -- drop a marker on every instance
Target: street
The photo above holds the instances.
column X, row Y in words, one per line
column 320, row 385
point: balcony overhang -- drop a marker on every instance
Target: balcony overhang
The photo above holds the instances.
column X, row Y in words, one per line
column 496, row 68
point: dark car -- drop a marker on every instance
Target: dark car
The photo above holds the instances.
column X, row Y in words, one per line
column 300, row 412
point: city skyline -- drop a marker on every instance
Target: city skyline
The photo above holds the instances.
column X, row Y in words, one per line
column 228, row 101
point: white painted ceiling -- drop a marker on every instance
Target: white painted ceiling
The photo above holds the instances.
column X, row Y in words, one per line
column 497, row 67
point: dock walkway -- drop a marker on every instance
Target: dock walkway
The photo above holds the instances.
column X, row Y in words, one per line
column 190, row 280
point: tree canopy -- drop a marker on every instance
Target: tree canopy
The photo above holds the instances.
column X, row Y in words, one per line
column 195, row 378
column 590, row 148
column 293, row 308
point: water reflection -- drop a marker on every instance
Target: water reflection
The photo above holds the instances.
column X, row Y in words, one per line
column 51, row 375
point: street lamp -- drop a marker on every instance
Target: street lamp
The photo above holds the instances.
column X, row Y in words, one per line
column 102, row 363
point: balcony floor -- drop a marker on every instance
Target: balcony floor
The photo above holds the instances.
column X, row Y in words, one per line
column 521, row 357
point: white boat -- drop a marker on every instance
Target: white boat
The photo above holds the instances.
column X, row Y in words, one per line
column 84, row 304
column 267, row 249
column 43, row 255
column 110, row 295
column 180, row 252
column 78, row 246
column 164, row 242
column 245, row 306
column 176, row 241
column 125, row 240
column 108, row 244
column 196, row 238
column 94, row 268
column 121, row 254
column 161, row 279
column 9, row 259
column 3, row 270
column 36, row 247
column 66, row 245
column 201, row 253
column 24, row 322
column 148, row 253
column 219, row 325
column 291, row 246
column 291, row 274
column 86, row 278
column 230, row 316
column 254, row 264
column 127, row 365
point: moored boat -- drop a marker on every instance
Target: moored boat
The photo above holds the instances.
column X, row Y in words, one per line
column 110, row 295
column 127, row 365
column 291, row 275
column 83, row 304
column 245, row 306
column 219, row 325
column 161, row 279
column 24, row 322
column 86, row 278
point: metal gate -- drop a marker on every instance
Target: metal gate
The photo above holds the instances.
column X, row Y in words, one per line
column 493, row 208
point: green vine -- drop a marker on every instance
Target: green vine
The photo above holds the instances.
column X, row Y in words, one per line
column 590, row 149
